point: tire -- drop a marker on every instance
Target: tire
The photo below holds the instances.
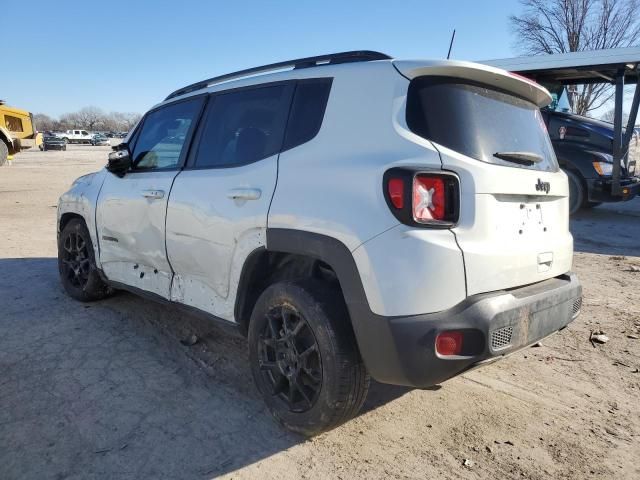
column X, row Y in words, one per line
column 576, row 192
column 312, row 380
column 4, row 153
column 77, row 266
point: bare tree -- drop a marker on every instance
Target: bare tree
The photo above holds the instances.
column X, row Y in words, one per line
column 44, row 122
column 561, row 26
column 90, row 117
column 69, row 121
column 609, row 116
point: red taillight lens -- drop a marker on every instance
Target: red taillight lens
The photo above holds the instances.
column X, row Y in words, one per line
column 395, row 187
column 449, row 343
column 428, row 198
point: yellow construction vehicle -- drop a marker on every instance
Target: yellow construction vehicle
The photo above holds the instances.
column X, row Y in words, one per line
column 17, row 132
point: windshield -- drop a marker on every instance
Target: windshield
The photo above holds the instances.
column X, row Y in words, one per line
column 560, row 102
column 479, row 121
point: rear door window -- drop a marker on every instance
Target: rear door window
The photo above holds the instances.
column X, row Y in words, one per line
column 479, row 121
column 244, row 126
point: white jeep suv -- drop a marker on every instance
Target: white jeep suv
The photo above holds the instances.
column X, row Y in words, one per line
column 354, row 215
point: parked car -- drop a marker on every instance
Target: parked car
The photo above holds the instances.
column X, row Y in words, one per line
column 355, row 216
column 51, row 142
column 100, row 140
column 76, row 136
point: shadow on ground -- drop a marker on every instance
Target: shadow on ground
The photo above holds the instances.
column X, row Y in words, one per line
column 610, row 229
column 107, row 390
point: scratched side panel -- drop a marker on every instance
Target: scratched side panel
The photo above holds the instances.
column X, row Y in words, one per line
column 210, row 235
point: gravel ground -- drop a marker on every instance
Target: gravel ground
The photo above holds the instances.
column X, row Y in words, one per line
column 108, row 391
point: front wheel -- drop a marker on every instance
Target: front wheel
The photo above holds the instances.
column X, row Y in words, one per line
column 304, row 357
column 77, row 265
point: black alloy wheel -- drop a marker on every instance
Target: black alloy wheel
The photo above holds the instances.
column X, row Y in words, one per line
column 304, row 357
column 76, row 264
column 75, row 260
column 289, row 358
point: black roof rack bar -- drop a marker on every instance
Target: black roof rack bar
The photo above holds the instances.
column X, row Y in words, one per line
column 332, row 58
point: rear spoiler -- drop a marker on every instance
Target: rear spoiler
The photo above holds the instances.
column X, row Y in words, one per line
column 497, row 77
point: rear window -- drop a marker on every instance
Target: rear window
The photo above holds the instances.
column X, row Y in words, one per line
column 479, row 122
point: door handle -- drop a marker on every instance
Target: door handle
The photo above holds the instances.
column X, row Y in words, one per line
column 153, row 194
column 244, row 194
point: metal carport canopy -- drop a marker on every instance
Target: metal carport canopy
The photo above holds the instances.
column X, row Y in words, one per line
column 616, row 66
column 574, row 68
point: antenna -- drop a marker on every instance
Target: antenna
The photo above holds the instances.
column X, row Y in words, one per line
column 453, row 36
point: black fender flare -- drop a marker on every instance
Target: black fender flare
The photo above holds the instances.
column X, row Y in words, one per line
column 371, row 330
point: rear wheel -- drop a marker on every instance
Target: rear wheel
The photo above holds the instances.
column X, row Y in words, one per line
column 577, row 192
column 4, row 153
column 304, row 358
column 77, row 266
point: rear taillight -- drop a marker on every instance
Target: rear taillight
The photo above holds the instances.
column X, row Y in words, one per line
column 422, row 198
column 428, row 198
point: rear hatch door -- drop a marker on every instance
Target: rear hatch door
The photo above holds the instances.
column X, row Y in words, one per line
column 513, row 227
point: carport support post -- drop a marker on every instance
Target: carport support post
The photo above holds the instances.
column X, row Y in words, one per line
column 617, row 134
column 633, row 115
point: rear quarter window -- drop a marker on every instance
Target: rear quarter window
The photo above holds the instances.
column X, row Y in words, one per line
column 478, row 121
column 307, row 111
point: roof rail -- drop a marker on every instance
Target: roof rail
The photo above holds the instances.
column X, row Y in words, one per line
column 332, row 58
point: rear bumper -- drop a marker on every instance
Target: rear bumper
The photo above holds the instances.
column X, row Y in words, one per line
column 401, row 350
column 599, row 190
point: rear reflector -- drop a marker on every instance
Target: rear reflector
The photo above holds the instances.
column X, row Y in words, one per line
column 449, row 343
column 396, row 192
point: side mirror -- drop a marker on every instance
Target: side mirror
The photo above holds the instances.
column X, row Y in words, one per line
column 119, row 162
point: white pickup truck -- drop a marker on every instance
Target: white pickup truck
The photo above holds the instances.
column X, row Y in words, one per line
column 76, row 136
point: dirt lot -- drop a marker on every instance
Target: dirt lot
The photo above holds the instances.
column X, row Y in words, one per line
column 108, row 391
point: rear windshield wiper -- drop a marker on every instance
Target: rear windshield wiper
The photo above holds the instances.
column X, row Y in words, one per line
column 523, row 158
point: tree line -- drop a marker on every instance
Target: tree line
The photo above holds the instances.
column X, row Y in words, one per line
column 88, row 118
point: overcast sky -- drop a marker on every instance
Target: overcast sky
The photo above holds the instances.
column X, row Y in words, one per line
column 128, row 55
